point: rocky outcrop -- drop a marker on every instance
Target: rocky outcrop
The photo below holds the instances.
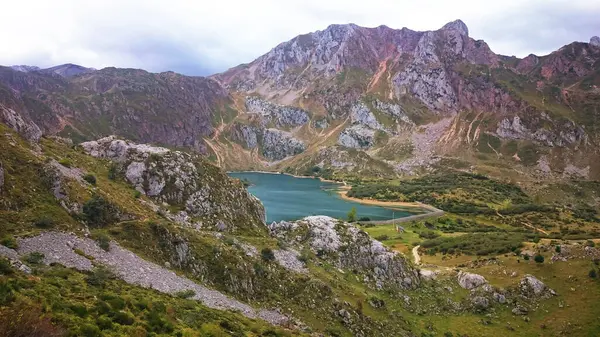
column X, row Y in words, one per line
column 393, row 110
column 357, row 137
column 470, row 281
column 531, row 287
column 569, row 132
column 595, row 41
column 278, row 144
column 26, row 128
column 282, row 116
column 349, row 248
column 183, row 180
column 61, row 248
column 361, row 114
column 1, row 177
column 288, row 258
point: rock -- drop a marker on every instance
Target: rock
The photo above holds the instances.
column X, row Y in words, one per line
column 347, row 247
column 530, row 286
column 281, row 114
column 185, row 180
column 499, row 298
column 322, row 123
column 595, row 41
column 520, row 310
column 480, row 302
column 357, row 137
column 470, row 281
column 428, row 274
column 360, row 114
column 20, row 123
column 458, row 26
column 279, row 144
column 288, row 258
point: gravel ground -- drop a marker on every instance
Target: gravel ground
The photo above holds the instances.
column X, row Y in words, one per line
column 59, row 248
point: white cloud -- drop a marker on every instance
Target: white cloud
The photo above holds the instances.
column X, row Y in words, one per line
column 200, row 37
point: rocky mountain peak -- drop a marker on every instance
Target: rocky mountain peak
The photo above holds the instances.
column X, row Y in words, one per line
column 458, row 26
column 595, row 41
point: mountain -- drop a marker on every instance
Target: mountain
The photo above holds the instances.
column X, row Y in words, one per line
column 349, row 101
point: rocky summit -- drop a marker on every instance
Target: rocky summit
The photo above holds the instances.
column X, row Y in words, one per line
column 117, row 217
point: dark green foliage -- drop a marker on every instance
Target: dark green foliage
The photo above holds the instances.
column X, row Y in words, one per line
column 89, row 330
column 382, row 237
column 90, row 178
column 123, row 318
column 137, row 194
column 113, row 171
column 428, row 235
column 352, row 215
column 476, row 243
column 364, row 218
column 99, row 276
column 65, row 162
column 557, row 249
column 590, row 243
column 593, row 273
column 267, row 254
column 189, row 293
column 5, row 267
column 539, row 259
column 526, row 257
column 99, row 212
column 35, row 258
column 9, row 241
column 44, row 222
column 103, row 241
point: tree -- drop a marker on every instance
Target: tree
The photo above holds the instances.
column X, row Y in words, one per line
column 267, row 254
column 539, row 258
column 99, row 212
column 592, row 273
column 352, row 215
column 557, row 249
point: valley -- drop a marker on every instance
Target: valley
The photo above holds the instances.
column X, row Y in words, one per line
column 117, row 216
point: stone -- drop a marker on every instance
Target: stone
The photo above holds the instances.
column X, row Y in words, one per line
column 282, row 115
column 21, row 124
column 480, row 302
column 595, row 41
column 357, row 137
column 279, row 144
column 530, row 286
column 520, row 310
column 288, row 258
column 500, row 298
column 470, row 281
column 1, row 177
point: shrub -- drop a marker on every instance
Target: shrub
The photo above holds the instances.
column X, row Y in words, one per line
column 590, row 243
column 592, row 273
column 137, row 194
column 364, row 218
column 103, row 241
column 123, row 318
column 9, row 241
column 35, row 258
column 526, row 257
column 189, row 293
column 113, row 172
column 90, row 178
column 267, row 254
column 352, row 215
column 539, row 258
column 99, row 276
column 382, row 237
column 66, row 162
column 5, row 267
column 90, row 330
column 104, row 322
column 25, row 320
column 99, row 212
column 557, row 249
column 44, row 222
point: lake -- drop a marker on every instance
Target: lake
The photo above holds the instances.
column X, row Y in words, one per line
column 289, row 198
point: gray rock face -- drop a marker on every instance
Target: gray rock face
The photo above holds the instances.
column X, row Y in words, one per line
column 279, row 144
column 470, row 281
column 60, row 248
column 357, row 136
column 516, row 129
column 457, row 26
column 480, row 302
column 595, row 41
column 282, row 115
column 360, row 114
column 500, row 298
column 288, row 258
column 530, row 286
column 28, row 129
column 321, row 124
column 348, row 247
column 393, row 110
column 184, row 180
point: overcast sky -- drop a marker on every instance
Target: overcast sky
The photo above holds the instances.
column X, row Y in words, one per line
column 200, row 37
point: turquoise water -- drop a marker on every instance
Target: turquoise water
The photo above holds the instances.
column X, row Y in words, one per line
column 289, row 198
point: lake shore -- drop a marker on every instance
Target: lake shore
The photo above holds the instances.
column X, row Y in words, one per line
column 293, row 175
column 343, row 193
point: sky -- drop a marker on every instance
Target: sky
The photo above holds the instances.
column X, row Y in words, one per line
column 200, row 37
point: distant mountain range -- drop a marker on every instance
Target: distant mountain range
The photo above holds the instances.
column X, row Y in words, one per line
column 347, row 100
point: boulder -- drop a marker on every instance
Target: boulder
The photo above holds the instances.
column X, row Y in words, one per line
column 470, row 281
column 595, row 41
column 480, row 302
column 530, row 286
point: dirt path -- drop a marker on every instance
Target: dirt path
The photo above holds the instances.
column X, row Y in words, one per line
column 214, row 149
column 535, row 228
column 415, row 252
column 382, row 68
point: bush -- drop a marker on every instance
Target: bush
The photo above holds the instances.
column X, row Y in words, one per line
column 99, row 276
column 44, row 222
column 103, row 241
column 9, row 241
column 35, row 258
column 592, row 273
column 99, row 212
column 90, row 178
column 25, row 320
column 66, row 162
column 90, row 330
column 557, row 249
column 352, row 215
column 526, row 257
column 539, row 258
column 382, row 237
column 590, row 243
column 123, row 318
column 267, row 254
column 113, row 172
column 189, row 293
column 137, row 194
column 104, row 322
column 5, row 267
column 364, row 218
